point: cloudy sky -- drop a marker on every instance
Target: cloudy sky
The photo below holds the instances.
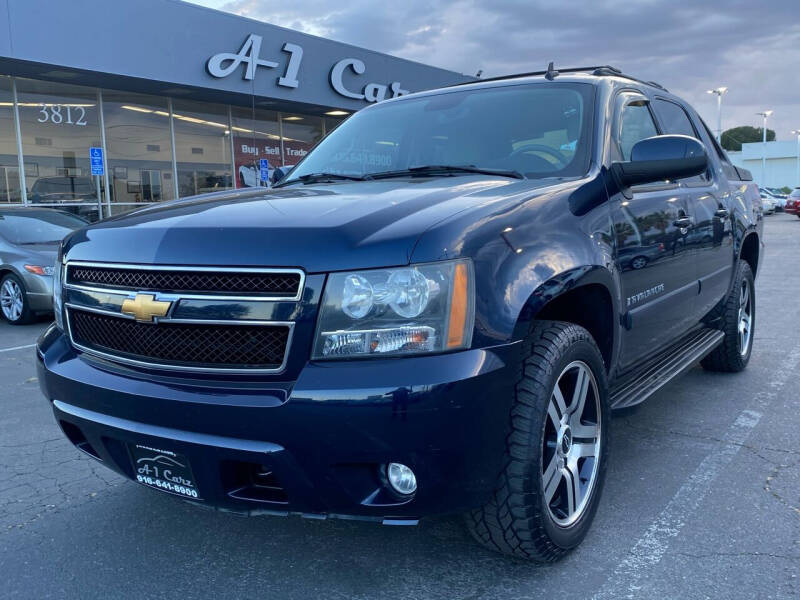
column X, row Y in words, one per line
column 688, row 46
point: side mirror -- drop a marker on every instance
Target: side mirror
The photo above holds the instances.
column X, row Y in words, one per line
column 661, row 158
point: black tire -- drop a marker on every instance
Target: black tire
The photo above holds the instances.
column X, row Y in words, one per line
column 518, row 520
column 24, row 315
column 729, row 356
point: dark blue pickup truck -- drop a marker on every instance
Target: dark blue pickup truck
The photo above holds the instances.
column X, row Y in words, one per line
column 435, row 311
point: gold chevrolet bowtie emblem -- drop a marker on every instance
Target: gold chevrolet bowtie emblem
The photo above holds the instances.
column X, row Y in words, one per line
column 145, row 308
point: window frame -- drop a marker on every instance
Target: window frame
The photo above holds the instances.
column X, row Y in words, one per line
column 622, row 98
column 625, row 98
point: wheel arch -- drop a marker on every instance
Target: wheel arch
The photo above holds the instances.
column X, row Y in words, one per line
column 581, row 296
column 9, row 270
column 750, row 251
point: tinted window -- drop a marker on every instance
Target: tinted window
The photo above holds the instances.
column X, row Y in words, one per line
column 675, row 121
column 728, row 169
column 673, row 118
column 540, row 130
column 636, row 124
column 37, row 226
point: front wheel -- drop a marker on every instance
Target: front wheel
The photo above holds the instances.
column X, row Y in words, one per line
column 556, row 454
column 737, row 321
column 14, row 301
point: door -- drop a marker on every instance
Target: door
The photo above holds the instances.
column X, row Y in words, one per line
column 653, row 259
column 710, row 238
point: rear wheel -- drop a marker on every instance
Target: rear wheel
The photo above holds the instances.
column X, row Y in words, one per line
column 640, row 262
column 14, row 301
column 556, row 453
column 738, row 322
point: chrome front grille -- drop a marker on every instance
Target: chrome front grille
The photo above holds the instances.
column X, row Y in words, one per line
column 100, row 320
column 265, row 284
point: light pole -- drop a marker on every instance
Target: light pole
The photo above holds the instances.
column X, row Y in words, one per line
column 764, row 114
column 719, row 92
column 797, row 133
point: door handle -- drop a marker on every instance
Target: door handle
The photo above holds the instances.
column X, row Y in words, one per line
column 683, row 222
column 722, row 213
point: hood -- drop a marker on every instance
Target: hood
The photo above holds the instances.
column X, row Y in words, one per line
column 39, row 254
column 315, row 227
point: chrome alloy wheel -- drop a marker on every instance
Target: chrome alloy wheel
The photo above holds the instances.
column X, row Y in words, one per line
column 571, row 444
column 11, row 301
column 745, row 321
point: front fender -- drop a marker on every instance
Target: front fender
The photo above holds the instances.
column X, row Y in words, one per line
column 522, row 247
column 559, row 285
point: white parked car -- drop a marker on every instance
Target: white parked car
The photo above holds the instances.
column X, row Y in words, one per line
column 768, row 203
column 249, row 176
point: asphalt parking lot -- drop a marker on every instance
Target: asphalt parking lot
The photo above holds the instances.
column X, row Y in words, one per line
column 702, row 500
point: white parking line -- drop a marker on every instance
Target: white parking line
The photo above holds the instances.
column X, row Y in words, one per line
column 647, row 552
column 17, row 348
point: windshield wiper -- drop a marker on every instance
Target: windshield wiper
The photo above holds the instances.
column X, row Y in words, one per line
column 447, row 169
column 316, row 177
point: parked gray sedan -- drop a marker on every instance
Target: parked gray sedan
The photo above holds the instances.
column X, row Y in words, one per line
column 29, row 240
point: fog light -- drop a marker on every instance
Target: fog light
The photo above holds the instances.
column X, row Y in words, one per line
column 401, row 478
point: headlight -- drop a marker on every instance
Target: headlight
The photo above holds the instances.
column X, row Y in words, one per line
column 39, row 270
column 57, row 299
column 408, row 310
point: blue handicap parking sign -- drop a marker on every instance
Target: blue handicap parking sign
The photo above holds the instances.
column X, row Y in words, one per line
column 264, row 166
column 96, row 159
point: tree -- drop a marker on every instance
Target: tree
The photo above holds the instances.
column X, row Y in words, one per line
column 732, row 139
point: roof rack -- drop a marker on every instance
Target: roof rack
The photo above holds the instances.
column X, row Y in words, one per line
column 551, row 73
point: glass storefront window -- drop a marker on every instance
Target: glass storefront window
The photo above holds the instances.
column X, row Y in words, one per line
column 332, row 123
column 214, row 147
column 202, row 147
column 256, row 136
column 300, row 133
column 9, row 169
column 59, row 124
column 139, row 149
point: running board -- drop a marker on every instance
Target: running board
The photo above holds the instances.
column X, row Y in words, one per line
column 675, row 361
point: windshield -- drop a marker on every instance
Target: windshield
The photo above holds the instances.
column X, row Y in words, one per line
column 64, row 185
column 795, row 193
column 538, row 130
column 37, row 226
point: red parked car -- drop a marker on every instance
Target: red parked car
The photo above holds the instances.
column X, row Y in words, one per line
column 793, row 203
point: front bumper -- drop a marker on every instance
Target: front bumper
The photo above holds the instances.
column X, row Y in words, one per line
column 40, row 292
column 325, row 436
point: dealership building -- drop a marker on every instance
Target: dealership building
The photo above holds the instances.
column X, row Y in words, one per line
column 179, row 100
column 774, row 164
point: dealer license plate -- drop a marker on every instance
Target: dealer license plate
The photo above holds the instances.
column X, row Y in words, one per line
column 164, row 470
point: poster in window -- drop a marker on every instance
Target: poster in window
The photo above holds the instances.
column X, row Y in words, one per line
column 247, row 154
